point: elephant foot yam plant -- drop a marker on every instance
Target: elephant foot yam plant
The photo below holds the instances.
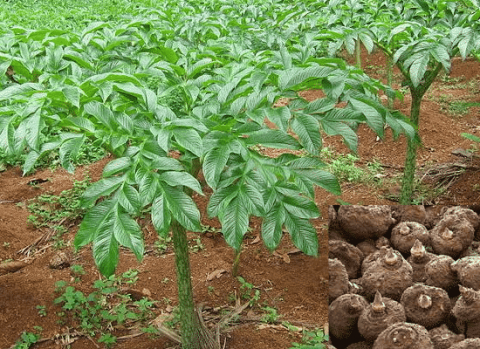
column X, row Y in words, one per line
column 179, row 92
column 434, row 297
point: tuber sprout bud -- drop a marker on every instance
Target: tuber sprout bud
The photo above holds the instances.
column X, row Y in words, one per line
column 418, row 250
column 391, row 258
column 447, row 234
column 424, row 301
column 378, row 306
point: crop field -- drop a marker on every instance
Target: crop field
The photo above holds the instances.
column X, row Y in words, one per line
column 166, row 167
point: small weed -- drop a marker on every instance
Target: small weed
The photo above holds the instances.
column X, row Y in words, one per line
column 248, row 291
column 6, row 245
column 53, row 211
column 42, row 310
column 271, row 315
column 166, row 300
column 77, row 271
column 108, row 339
column 161, row 245
column 102, row 309
column 210, row 290
column 27, row 339
column 312, row 340
column 289, row 326
column 165, row 280
column 196, row 245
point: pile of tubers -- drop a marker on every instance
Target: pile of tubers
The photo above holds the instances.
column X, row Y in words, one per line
column 404, row 277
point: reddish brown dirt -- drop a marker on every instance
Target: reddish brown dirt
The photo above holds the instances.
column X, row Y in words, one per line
column 298, row 289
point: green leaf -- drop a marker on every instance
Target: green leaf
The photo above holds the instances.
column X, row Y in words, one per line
column 33, row 128
column 373, row 116
column 174, row 178
column 17, row 90
column 189, row 139
column 214, row 163
column 105, row 248
column 308, row 130
column 333, row 128
column 220, row 199
column 96, row 217
column 295, row 76
column 272, row 227
column 128, row 233
column 103, row 187
column 117, row 166
column 418, row 69
column 129, row 199
column 101, row 112
column 182, row 208
column 235, row 221
column 272, row 138
column 69, row 151
column 161, row 216
column 72, row 94
column 303, row 234
column 147, row 187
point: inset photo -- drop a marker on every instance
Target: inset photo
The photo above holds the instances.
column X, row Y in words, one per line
column 404, row 277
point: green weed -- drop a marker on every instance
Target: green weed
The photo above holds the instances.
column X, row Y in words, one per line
column 104, row 308
column 312, row 340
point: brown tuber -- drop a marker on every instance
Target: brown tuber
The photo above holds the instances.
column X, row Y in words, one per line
column 365, row 222
column 350, row 256
column 404, row 235
column 343, row 315
column 451, row 236
column 409, row 213
column 467, row 310
column 440, row 274
column 443, row 338
column 382, row 313
column 468, row 271
column 426, row 305
column 338, row 279
column 404, row 335
column 390, row 274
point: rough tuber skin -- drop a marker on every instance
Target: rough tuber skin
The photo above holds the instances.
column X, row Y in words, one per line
column 350, row 256
column 419, row 257
column 451, row 236
column 404, row 335
column 338, row 279
column 443, row 338
column 404, row 235
column 367, row 247
column 440, row 274
column 426, row 305
column 390, row 274
column 409, row 213
column 382, row 313
column 343, row 315
column 471, row 343
column 467, row 307
column 465, row 213
column 365, row 222
column 468, row 271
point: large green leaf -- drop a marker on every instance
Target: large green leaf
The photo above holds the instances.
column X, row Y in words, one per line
column 235, row 221
column 161, row 216
column 105, row 248
column 182, row 208
column 189, row 139
column 272, row 227
column 127, row 232
column 214, row 163
column 308, row 130
column 103, row 187
column 303, row 234
column 174, row 178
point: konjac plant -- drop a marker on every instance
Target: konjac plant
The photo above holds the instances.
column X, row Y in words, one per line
column 175, row 91
column 420, row 38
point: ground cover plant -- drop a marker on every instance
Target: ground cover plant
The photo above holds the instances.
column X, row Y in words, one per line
column 422, row 255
